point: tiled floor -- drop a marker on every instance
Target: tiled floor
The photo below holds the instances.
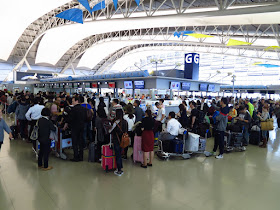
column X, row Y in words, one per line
column 241, row 181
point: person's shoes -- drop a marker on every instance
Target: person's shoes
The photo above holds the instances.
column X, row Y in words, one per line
column 81, row 160
column 40, row 167
column 74, row 160
column 23, row 139
column 49, row 168
column 118, row 173
column 124, row 157
column 143, row 166
column 245, row 145
column 212, row 153
column 149, row 164
column 219, row 157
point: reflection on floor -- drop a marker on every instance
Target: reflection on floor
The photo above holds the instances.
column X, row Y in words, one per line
column 241, row 181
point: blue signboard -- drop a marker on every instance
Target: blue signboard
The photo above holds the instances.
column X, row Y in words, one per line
column 186, row 85
column 191, row 66
column 211, row 88
column 139, row 84
column 203, row 87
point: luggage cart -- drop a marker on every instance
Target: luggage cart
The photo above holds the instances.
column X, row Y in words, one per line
column 182, row 147
column 234, row 141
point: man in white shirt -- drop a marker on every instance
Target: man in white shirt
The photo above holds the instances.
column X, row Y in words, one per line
column 172, row 129
column 32, row 115
column 160, row 117
column 161, row 113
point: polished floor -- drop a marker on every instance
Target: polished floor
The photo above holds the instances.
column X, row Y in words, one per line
column 241, row 181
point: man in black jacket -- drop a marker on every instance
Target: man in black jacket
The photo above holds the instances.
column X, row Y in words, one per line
column 203, row 107
column 77, row 122
column 45, row 127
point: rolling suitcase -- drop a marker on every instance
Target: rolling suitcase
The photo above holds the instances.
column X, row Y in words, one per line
column 92, row 151
column 108, row 157
column 255, row 137
column 177, row 146
column 137, row 149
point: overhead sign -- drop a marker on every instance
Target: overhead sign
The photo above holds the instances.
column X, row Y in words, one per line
column 139, row 84
column 111, row 85
column 186, row 85
column 26, row 76
column 191, row 66
column 128, row 85
column 175, row 85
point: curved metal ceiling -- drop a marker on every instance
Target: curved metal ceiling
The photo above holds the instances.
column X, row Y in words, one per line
column 55, row 49
column 57, row 41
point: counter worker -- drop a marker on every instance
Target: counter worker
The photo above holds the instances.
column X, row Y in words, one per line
column 172, row 130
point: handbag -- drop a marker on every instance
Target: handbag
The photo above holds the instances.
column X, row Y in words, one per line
column 267, row 125
column 124, row 142
column 35, row 133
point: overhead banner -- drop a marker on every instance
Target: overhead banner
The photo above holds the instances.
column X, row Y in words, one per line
column 191, row 66
column 28, row 76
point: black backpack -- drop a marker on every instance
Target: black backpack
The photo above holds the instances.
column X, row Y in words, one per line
column 201, row 117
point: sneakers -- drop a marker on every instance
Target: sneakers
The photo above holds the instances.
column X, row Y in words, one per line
column 212, row 153
column 118, row 173
column 219, row 157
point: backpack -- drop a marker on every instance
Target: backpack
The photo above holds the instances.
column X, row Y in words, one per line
column 201, row 117
column 89, row 115
column 125, row 141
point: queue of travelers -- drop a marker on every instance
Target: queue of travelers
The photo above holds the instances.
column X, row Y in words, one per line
column 86, row 123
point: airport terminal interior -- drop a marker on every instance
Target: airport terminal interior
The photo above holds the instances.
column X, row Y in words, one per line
column 140, row 104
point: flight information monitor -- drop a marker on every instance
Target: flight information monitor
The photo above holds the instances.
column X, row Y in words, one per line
column 139, row 84
column 211, row 88
column 186, row 85
column 203, row 87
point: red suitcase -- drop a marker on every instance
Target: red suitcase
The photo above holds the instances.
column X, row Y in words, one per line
column 108, row 157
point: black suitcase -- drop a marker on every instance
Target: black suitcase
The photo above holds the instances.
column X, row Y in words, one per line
column 92, row 151
column 255, row 137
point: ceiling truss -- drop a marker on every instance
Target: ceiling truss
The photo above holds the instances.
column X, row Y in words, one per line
column 126, row 9
column 224, row 33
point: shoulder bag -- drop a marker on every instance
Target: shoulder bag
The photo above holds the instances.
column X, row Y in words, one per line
column 35, row 133
column 267, row 125
column 125, row 141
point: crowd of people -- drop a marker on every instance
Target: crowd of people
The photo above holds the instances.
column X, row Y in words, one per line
column 103, row 124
